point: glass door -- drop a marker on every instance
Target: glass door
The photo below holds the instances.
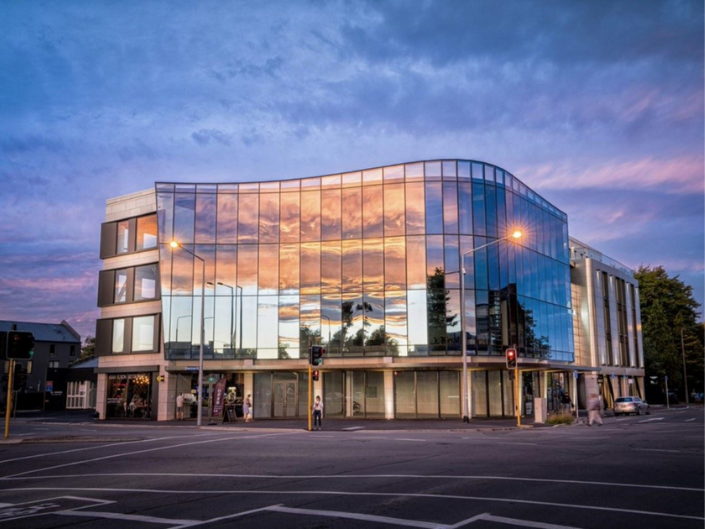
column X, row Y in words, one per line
column 285, row 399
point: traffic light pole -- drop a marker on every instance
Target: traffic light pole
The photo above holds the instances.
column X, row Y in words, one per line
column 8, row 408
column 310, row 395
column 517, row 397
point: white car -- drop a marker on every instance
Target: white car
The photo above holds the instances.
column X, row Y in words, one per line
column 626, row 405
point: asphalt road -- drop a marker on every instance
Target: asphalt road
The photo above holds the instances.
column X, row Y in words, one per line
column 644, row 472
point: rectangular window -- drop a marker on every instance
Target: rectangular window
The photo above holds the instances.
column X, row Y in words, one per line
column 118, row 336
column 72, row 350
column 146, row 233
column 146, row 282
column 52, row 350
column 123, row 236
column 120, row 286
column 54, row 364
column 143, row 333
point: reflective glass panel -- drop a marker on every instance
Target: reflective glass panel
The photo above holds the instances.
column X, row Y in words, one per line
column 427, row 392
column 311, row 216
column 373, row 323
column 289, row 222
column 373, row 265
column 120, row 286
column 395, row 263
column 372, row 211
column 247, row 260
column 269, row 218
column 450, row 207
column 331, row 257
column 394, row 217
column 146, row 232
column 311, row 268
column 289, row 325
column 352, row 213
column 205, row 217
column 289, row 260
column 123, row 236
column 268, row 268
column 118, row 336
column 248, row 218
column 184, row 211
column 226, row 264
column 434, row 208
column 267, row 339
column 227, row 218
column 395, row 322
column 416, row 262
column 330, row 215
column 415, row 209
column 352, row 266
column 146, row 282
column 418, row 329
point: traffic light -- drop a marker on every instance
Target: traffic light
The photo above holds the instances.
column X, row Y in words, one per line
column 317, row 353
column 511, row 355
column 315, row 375
column 19, row 345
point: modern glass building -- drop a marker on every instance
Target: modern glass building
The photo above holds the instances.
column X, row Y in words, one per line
column 366, row 263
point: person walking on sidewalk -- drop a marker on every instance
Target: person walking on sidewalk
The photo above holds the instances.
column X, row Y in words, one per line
column 180, row 407
column 317, row 411
column 247, row 409
column 594, row 410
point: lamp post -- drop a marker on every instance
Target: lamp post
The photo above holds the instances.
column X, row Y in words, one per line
column 326, row 317
column 177, row 327
column 232, row 311
column 463, row 338
column 685, row 376
column 199, row 415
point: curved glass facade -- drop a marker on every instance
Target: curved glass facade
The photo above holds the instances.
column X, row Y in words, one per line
column 366, row 263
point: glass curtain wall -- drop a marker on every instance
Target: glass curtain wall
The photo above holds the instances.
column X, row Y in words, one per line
column 366, row 263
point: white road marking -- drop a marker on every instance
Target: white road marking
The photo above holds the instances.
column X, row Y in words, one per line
column 307, row 492
column 355, row 476
column 510, row 443
column 651, row 420
column 352, row 428
column 688, row 420
column 523, row 523
column 656, row 450
column 414, row 440
column 356, row 516
column 170, row 447
column 125, row 517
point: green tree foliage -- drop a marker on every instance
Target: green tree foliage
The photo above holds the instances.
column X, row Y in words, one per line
column 88, row 349
column 667, row 310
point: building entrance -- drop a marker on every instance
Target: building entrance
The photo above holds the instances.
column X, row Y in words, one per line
column 285, row 396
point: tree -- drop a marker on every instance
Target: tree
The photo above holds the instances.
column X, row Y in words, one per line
column 88, row 349
column 667, row 309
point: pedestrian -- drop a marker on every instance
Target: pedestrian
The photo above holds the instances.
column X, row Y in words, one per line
column 317, row 411
column 247, row 409
column 594, row 410
column 180, row 407
column 565, row 400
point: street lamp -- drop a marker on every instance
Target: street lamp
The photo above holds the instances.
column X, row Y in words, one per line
column 685, row 376
column 199, row 415
column 177, row 327
column 463, row 338
column 326, row 317
column 232, row 311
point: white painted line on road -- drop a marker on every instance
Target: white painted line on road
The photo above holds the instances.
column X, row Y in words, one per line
column 522, row 523
column 688, row 420
column 353, row 428
column 220, row 518
column 320, row 493
column 510, row 443
column 656, row 450
column 651, row 420
column 414, row 440
column 356, row 516
column 352, row 476
column 125, row 517
column 170, row 447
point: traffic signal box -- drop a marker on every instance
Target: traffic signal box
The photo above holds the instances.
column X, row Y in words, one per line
column 316, row 355
column 17, row 345
column 315, row 375
column 511, row 355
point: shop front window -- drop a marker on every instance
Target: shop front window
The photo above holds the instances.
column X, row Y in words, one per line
column 129, row 396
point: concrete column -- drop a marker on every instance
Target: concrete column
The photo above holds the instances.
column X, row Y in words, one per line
column 389, row 394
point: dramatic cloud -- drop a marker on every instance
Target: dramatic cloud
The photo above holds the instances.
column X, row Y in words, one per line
column 598, row 106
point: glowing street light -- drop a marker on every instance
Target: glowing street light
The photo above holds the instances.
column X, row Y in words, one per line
column 199, row 395
column 463, row 338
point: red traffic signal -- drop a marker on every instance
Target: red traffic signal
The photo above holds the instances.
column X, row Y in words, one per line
column 511, row 356
column 19, row 345
column 315, row 376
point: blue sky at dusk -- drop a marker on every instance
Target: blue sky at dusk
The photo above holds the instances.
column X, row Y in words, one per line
column 596, row 105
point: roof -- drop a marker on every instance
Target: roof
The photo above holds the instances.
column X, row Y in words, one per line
column 45, row 332
column 91, row 363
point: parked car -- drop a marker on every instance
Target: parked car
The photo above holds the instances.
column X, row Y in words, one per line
column 697, row 397
column 627, row 405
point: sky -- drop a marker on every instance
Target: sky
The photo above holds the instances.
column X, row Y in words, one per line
column 596, row 105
